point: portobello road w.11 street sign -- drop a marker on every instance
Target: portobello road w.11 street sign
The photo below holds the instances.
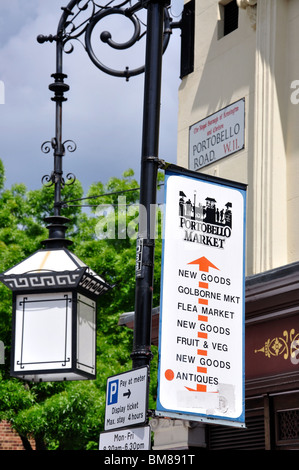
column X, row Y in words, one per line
column 201, row 344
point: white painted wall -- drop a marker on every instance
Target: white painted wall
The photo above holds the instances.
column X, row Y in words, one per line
column 259, row 62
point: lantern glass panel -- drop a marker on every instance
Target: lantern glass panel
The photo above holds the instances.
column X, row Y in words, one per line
column 43, row 327
column 86, row 334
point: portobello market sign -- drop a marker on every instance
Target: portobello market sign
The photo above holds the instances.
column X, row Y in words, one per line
column 217, row 136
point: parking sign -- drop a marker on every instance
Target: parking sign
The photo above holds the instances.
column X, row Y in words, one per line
column 126, row 399
column 112, row 394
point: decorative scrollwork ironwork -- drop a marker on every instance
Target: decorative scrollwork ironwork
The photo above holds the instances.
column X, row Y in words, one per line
column 54, row 178
column 48, row 180
column 71, row 178
column 78, row 22
column 69, row 145
column 46, row 146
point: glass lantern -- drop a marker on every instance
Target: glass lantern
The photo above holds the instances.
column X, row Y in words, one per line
column 54, row 316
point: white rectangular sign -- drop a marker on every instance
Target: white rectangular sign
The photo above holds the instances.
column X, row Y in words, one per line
column 126, row 439
column 126, row 399
column 217, row 136
column 201, row 345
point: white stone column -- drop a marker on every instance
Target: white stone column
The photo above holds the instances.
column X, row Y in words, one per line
column 268, row 186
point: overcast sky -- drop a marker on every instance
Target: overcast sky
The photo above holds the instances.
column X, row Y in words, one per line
column 103, row 114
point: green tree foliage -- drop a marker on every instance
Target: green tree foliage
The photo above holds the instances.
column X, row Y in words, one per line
column 70, row 415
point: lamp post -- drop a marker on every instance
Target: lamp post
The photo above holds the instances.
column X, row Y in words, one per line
column 158, row 30
column 141, row 354
column 79, row 291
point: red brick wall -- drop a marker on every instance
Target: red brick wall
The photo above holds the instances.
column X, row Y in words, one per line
column 9, row 438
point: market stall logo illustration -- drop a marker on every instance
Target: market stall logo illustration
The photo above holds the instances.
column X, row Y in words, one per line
column 205, row 223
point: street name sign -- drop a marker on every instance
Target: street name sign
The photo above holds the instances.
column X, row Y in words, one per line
column 138, row 438
column 217, row 136
column 201, row 344
column 126, row 399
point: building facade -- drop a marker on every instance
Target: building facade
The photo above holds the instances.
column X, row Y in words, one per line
column 255, row 62
column 238, row 119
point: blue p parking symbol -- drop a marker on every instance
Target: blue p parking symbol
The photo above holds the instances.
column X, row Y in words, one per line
column 112, row 392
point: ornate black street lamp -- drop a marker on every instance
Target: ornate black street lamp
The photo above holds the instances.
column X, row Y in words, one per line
column 158, row 29
column 157, row 37
column 71, row 293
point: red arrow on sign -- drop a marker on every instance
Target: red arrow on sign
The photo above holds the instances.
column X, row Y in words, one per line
column 204, row 264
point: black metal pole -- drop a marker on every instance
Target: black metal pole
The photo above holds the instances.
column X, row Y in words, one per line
column 56, row 222
column 59, row 88
column 141, row 354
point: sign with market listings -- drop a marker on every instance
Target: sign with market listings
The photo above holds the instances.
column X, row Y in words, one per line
column 201, row 344
column 217, row 136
